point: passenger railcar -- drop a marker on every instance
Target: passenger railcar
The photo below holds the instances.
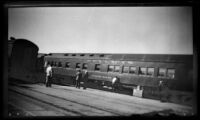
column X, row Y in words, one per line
column 145, row 70
column 22, row 57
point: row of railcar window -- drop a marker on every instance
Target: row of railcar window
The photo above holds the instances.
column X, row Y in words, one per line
column 146, row 71
column 91, row 55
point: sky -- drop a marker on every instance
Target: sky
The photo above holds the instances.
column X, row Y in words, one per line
column 132, row 30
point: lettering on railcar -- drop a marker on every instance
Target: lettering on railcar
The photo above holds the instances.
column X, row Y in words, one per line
column 100, row 76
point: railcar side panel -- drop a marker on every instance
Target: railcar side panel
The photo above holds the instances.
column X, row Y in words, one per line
column 98, row 70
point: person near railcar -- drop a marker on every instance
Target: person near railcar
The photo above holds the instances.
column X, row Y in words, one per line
column 163, row 91
column 78, row 78
column 160, row 88
column 48, row 75
column 85, row 79
column 115, row 82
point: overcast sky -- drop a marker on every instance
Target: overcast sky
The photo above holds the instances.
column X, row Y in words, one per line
column 148, row 30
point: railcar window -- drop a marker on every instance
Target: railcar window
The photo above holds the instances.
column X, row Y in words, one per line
column 46, row 63
column 171, row 73
column 142, row 71
column 133, row 70
column 85, row 65
column 55, row 64
column 52, row 63
column 102, row 55
column 78, row 65
column 59, row 64
column 67, row 64
column 91, row 55
column 125, row 69
column 97, row 67
column 82, row 54
column 73, row 54
column 117, row 67
column 162, row 72
column 150, row 71
column 111, row 68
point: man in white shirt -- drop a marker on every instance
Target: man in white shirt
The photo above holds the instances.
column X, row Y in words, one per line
column 48, row 75
column 114, row 83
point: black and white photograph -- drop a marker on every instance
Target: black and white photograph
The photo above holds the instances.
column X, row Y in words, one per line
column 83, row 61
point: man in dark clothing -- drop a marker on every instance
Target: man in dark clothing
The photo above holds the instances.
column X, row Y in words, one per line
column 85, row 79
column 78, row 79
column 160, row 87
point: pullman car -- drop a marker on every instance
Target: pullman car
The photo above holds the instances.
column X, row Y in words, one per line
column 144, row 70
column 22, row 59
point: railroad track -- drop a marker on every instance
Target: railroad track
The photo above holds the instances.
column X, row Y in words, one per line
column 63, row 111
column 79, row 109
column 80, row 103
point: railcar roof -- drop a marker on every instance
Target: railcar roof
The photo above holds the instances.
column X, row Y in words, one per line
column 23, row 42
column 41, row 55
column 132, row 57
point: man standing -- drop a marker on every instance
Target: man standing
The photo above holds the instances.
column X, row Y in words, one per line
column 48, row 75
column 85, row 79
column 78, row 78
column 114, row 83
column 160, row 86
